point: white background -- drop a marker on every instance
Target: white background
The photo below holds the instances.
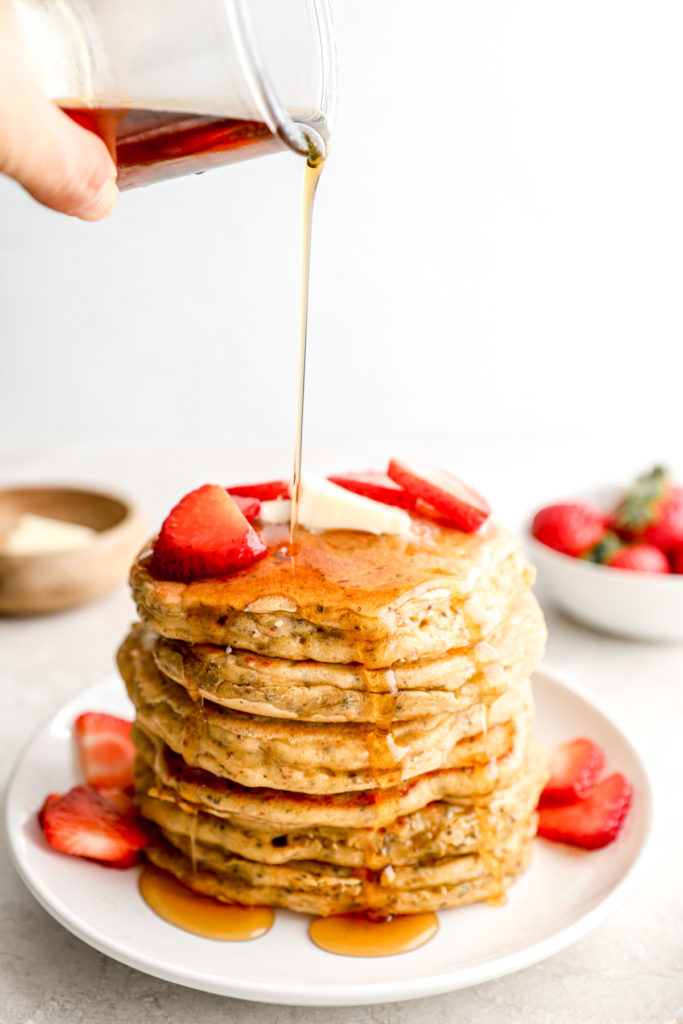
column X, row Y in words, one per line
column 497, row 254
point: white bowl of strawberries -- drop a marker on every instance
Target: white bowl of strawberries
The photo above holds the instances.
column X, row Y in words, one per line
column 614, row 559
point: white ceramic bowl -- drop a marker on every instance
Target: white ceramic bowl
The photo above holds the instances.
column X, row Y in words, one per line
column 643, row 606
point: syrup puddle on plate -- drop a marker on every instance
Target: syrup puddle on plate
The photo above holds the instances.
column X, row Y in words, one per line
column 355, row 935
column 201, row 915
column 344, row 934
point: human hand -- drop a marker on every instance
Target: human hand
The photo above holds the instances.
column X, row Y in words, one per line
column 59, row 163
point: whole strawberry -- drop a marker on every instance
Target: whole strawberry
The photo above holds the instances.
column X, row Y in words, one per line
column 652, row 510
column 639, row 557
column 677, row 560
column 571, row 527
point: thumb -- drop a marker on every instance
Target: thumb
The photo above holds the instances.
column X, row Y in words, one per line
column 59, row 163
column 62, row 165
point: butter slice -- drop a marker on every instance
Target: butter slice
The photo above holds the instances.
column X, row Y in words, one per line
column 327, row 506
column 32, row 535
column 276, row 511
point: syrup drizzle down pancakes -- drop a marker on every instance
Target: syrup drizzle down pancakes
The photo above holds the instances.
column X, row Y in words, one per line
column 345, row 730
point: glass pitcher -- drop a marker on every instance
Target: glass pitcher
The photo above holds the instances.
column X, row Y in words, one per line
column 178, row 86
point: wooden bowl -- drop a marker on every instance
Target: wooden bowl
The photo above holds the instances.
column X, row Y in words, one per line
column 51, row 580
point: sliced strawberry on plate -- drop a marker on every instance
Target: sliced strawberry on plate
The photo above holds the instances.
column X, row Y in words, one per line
column 590, row 823
column 268, row 491
column 82, row 822
column 105, row 749
column 575, row 768
column 118, row 798
column 50, row 799
column 377, row 486
column 205, row 536
column 570, row 527
column 249, row 507
column 464, row 508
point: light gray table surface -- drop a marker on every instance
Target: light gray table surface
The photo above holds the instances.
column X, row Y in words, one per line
column 628, row 970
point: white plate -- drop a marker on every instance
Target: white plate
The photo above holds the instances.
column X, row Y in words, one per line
column 564, row 894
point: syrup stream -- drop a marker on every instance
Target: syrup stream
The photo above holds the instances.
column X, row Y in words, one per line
column 314, row 166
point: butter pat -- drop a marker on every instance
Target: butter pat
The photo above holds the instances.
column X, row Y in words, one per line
column 326, row 506
column 32, row 535
column 276, row 511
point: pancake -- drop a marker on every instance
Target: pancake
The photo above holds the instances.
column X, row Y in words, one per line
column 312, row 757
column 286, row 809
column 314, row 888
column 319, row 692
column 347, row 596
column 435, row 831
column 345, row 730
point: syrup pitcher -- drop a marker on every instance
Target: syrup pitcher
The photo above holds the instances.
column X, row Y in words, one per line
column 178, row 86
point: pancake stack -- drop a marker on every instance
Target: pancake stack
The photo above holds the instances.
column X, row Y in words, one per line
column 344, row 731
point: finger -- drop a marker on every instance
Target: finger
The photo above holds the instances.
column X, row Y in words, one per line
column 61, row 164
column 65, row 167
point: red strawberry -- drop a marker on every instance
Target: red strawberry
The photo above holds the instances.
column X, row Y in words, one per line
column 464, row 508
column 677, row 560
column 570, row 527
column 589, row 823
column 50, row 799
column 264, row 492
column 249, row 507
column 205, row 535
column 574, row 771
column 652, row 510
column 377, row 486
column 666, row 532
column 83, row 823
column 105, row 749
column 641, row 558
column 118, row 798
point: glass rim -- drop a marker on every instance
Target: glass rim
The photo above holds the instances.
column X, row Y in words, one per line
column 304, row 138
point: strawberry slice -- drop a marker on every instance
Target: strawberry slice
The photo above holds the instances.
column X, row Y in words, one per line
column 249, row 507
column 105, row 749
column 464, row 508
column 264, row 492
column 575, row 768
column 590, row 823
column 118, row 798
column 205, row 535
column 50, row 799
column 377, row 486
column 83, row 823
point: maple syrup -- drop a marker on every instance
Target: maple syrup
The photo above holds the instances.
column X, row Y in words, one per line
column 154, row 145
column 356, row 935
column 201, row 915
column 314, row 166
